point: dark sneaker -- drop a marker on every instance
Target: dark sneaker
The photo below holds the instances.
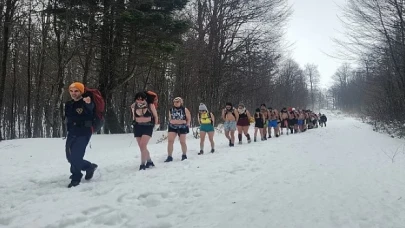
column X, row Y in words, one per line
column 212, row 150
column 90, row 171
column 169, row 159
column 142, row 167
column 73, row 184
column 183, row 157
column 201, row 152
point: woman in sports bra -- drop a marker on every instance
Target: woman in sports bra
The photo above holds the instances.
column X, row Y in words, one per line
column 144, row 120
column 206, row 120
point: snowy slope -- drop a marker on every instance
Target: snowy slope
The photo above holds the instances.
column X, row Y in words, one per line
column 339, row 176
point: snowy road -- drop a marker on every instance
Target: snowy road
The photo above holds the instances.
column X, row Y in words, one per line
column 339, row 176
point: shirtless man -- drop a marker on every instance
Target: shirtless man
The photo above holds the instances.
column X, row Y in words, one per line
column 230, row 115
column 273, row 122
column 301, row 120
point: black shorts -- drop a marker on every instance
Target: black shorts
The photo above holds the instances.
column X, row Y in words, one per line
column 179, row 131
column 259, row 124
column 292, row 122
column 140, row 130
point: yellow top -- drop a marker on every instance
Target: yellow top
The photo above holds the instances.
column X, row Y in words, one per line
column 205, row 118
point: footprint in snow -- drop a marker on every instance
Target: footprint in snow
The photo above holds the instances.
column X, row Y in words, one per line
column 161, row 225
column 97, row 210
column 68, row 222
column 5, row 221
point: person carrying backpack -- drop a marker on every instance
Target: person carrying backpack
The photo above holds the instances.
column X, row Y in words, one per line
column 206, row 120
column 145, row 119
column 79, row 117
column 322, row 120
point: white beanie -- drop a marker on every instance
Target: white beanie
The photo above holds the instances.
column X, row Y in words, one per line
column 202, row 107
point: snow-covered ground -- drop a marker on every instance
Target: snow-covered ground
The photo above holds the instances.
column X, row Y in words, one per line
column 344, row 175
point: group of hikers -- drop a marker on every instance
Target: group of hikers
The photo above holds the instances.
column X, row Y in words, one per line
column 266, row 119
column 79, row 114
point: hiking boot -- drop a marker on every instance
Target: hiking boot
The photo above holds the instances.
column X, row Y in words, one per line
column 73, row 184
column 183, row 157
column 90, row 171
column 149, row 164
column 169, row 159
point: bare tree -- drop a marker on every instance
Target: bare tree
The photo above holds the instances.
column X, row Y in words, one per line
column 8, row 22
column 313, row 77
column 212, row 51
column 29, row 75
column 376, row 41
column 291, row 83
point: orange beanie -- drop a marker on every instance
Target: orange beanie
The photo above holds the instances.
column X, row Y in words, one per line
column 77, row 85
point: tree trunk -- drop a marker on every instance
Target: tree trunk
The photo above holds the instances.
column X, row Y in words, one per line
column 58, row 110
column 7, row 26
column 29, row 78
column 14, row 93
column 39, row 110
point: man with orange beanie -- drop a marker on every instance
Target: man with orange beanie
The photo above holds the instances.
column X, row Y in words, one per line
column 79, row 120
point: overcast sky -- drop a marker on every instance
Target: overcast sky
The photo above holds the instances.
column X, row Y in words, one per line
column 311, row 28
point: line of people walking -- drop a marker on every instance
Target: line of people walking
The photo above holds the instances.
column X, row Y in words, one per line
column 79, row 114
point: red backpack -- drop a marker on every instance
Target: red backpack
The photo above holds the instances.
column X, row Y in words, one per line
column 152, row 98
column 99, row 107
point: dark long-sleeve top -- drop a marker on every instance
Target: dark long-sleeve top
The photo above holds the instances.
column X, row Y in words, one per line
column 79, row 117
